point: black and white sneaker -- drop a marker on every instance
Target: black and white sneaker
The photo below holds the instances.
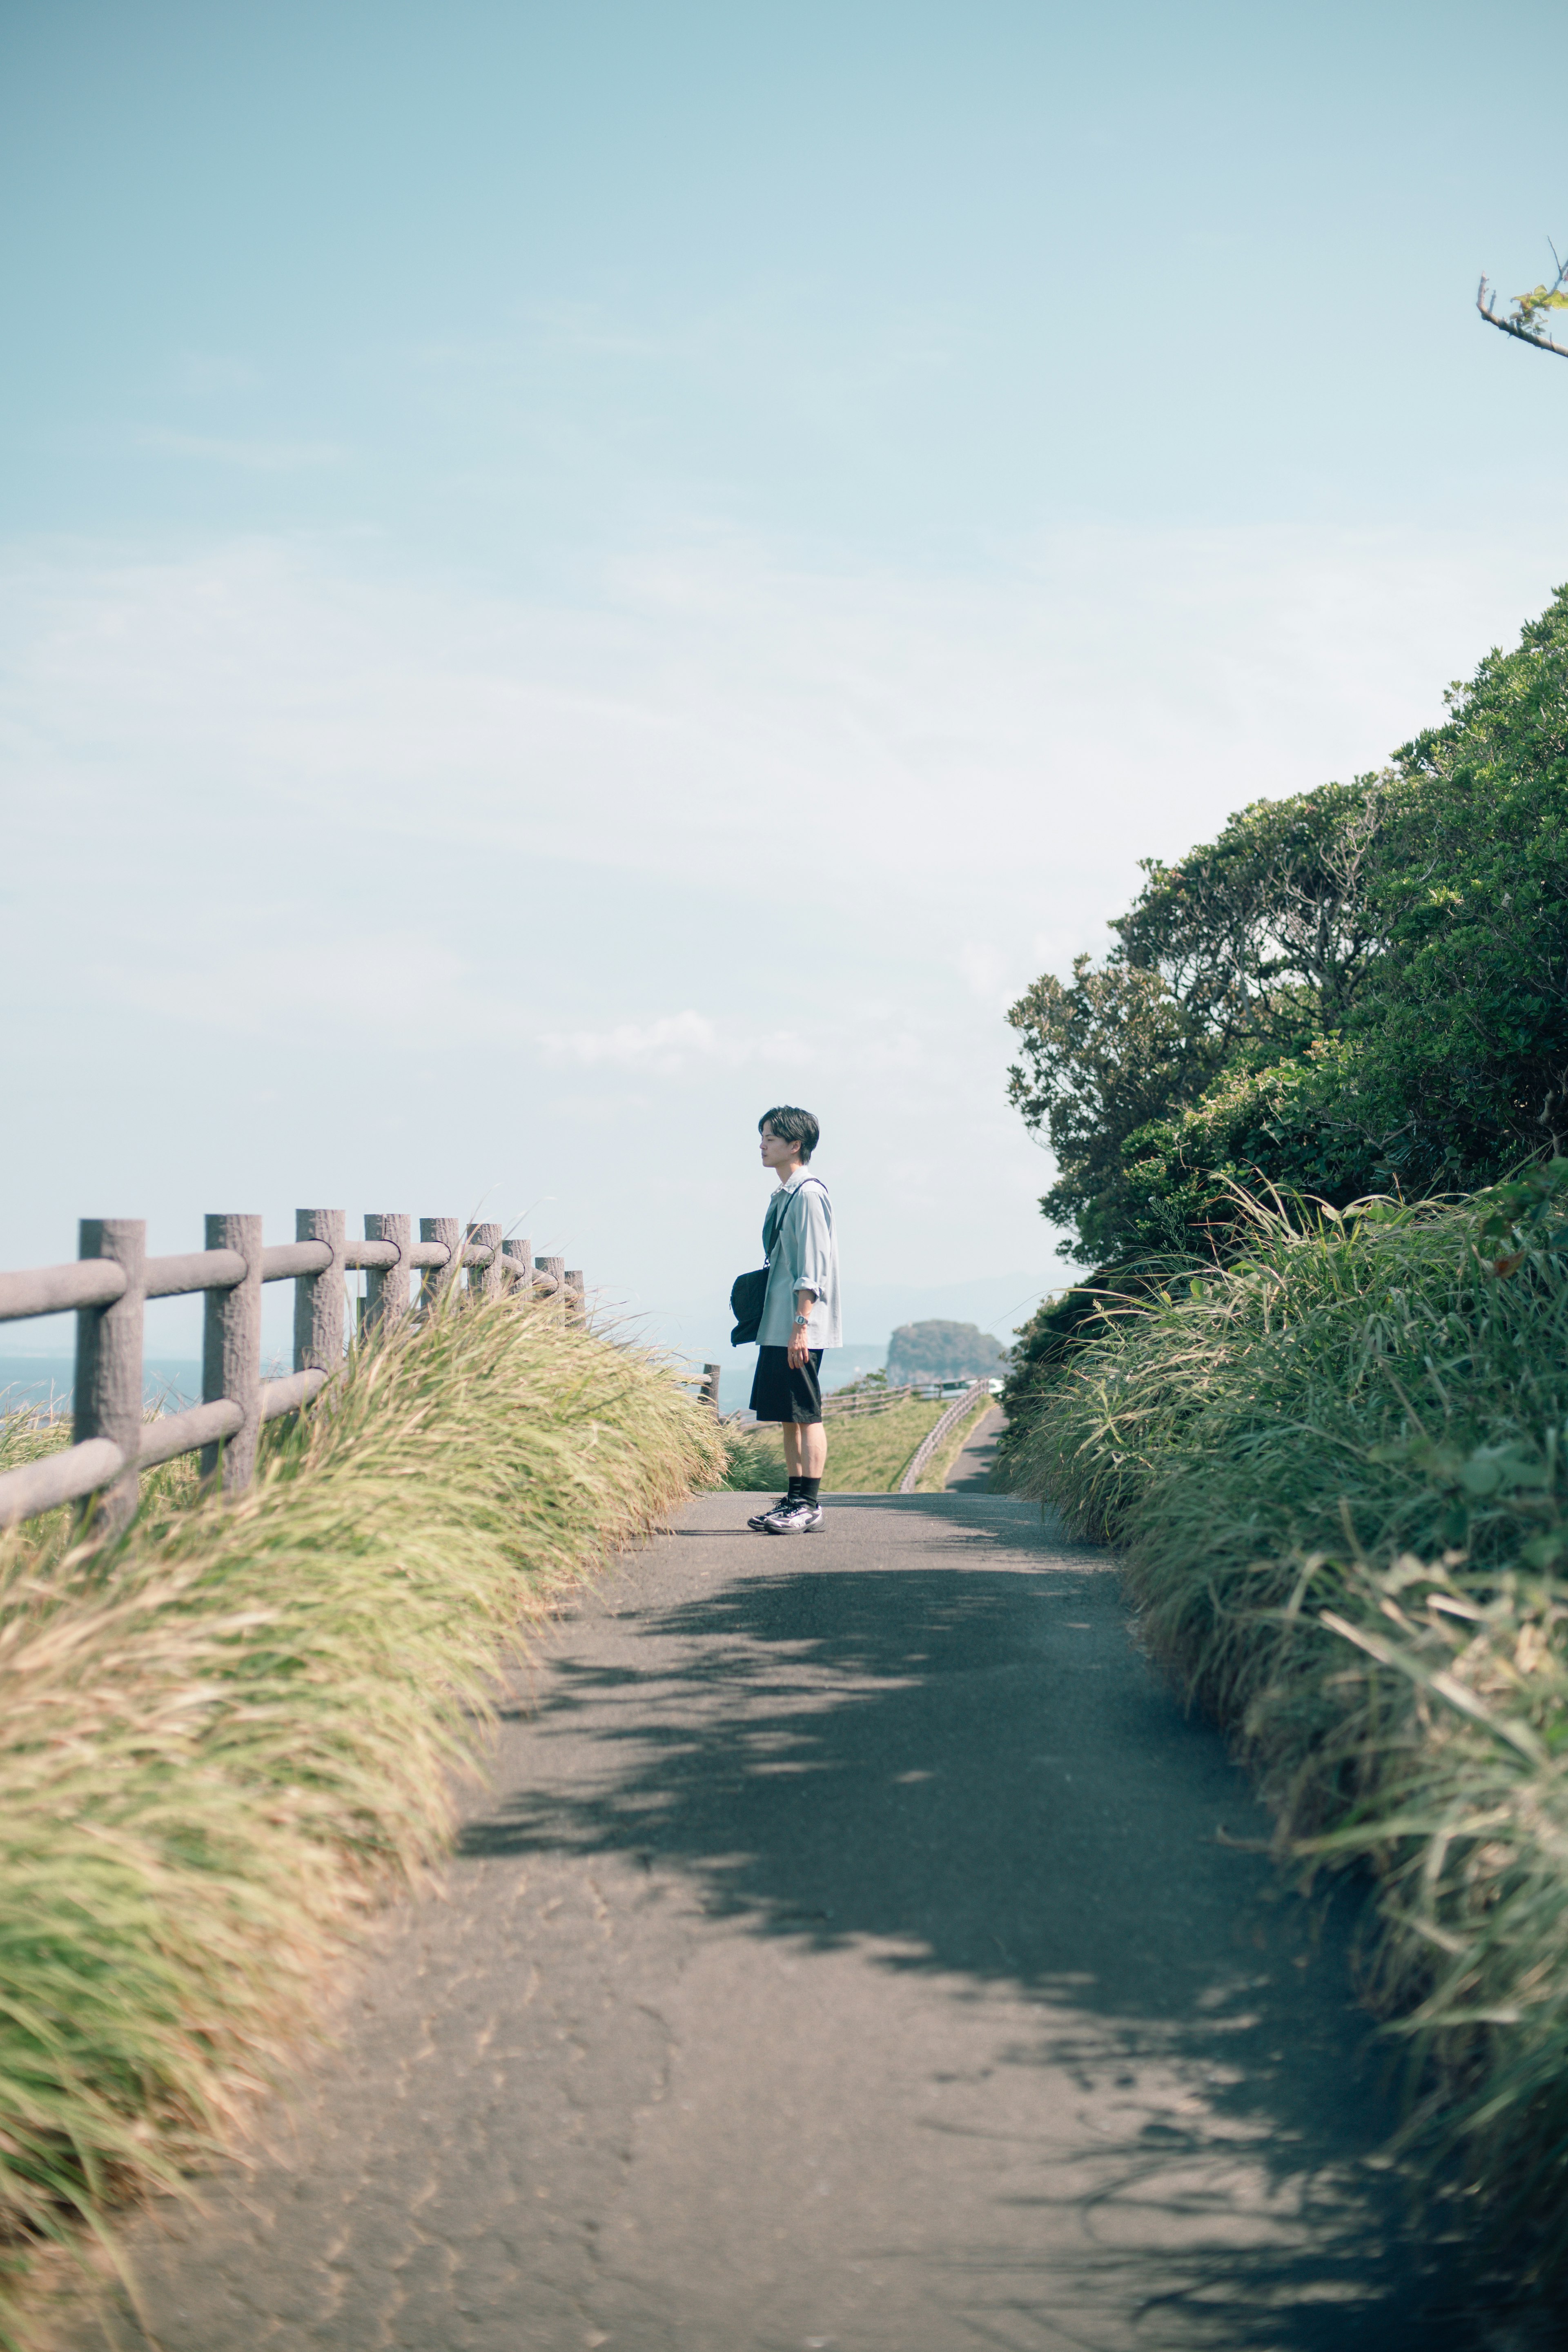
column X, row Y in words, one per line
column 759, row 1526
column 798, row 1517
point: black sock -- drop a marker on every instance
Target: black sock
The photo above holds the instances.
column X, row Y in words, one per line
column 807, row 1489
column 794, row 1487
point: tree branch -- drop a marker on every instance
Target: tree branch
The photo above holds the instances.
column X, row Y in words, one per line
column 1520, row 326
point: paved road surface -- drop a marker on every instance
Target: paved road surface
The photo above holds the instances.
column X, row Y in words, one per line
column 847, row 1957
column 970, row 1472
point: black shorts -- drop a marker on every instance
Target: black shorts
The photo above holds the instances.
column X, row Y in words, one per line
column 780, row 1394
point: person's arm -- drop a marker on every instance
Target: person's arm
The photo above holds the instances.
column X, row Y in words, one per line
column 799, row 1349
column 811, row 1261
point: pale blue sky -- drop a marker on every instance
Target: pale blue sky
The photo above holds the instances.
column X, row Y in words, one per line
column 566, row 574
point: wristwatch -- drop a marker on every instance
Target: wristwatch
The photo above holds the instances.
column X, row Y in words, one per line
column 801, row 1322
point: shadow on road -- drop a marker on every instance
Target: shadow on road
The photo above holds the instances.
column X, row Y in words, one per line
column 964, row 1765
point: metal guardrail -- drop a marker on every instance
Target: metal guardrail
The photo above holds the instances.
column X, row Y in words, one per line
column 935, row 1435
column 113, row 1277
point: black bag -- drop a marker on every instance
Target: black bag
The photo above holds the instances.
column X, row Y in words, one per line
column 746, row 1300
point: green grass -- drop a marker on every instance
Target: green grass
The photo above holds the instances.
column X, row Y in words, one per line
column 934, row 1478
column 1336, row 1474
column 867, row 1453
column 223, row 1738
column 754, row 1462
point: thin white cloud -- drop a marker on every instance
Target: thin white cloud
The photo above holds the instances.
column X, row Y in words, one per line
column 1020, row 741
column 670, row 1044
column 243, row 979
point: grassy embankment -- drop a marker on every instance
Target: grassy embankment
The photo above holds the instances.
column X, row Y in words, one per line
column 939, row 1469
column 867, row 1453
column 1336, row 1474
column 225, row 1737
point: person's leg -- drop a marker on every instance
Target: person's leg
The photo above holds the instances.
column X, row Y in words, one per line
column 755, row 1522
column 805, row 1453
column 771, row 1401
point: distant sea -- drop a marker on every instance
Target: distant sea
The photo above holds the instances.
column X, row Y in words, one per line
column 39, row 1379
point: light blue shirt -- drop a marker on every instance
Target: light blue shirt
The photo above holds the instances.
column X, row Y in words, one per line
column 803, row 1254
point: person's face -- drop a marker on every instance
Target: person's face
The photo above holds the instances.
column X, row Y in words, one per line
column 777, row 1151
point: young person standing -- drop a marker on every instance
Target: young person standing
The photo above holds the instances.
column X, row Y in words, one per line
column 800, row 1315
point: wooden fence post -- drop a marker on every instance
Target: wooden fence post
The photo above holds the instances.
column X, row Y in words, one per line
column 516, row 1259
column 711, row 1384
column 319, row 1297
column 107, row 1399
column 486, row 1281
column 435, row 1280
column 387, row 1287
column 231, row 1351
column 576, row 1294
column 557, row 1266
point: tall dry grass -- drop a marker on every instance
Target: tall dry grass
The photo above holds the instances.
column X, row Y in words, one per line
column 224, row 1738
column 1336, row 1475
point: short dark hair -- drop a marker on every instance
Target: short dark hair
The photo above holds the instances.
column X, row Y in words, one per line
column 793, row 1125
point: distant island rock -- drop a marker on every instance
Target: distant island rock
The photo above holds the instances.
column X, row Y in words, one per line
column 943, row 1351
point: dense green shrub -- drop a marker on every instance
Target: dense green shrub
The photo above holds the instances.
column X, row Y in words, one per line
column 1336, row 1472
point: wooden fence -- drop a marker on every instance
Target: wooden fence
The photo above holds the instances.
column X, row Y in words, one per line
column 111, row 1277
column 871, row 1400
column 880, row 1400
column 838, row 1401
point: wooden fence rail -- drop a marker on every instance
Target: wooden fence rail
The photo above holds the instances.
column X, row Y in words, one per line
column 113, row 1277
column 879, row 1400
column 876, row 1400
column 838, row 1401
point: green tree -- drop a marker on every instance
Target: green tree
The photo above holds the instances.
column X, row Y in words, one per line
column 1467, row 1049
column 1247, row 951
column 1363, row 988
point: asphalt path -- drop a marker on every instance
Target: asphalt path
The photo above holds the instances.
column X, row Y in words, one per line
column 857, row 1951
column 976, row 1457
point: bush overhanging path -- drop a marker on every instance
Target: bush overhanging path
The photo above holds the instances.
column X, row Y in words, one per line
column 1335, row 1471
column 223, row 1738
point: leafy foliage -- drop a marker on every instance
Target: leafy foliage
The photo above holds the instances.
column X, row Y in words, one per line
column 1362, row 987
column 1255, row 947
column 1466, row 1060
column 1530, row 312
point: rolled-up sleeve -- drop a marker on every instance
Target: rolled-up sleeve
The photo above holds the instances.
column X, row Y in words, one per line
column 802, row 1255
column 813, row 1266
